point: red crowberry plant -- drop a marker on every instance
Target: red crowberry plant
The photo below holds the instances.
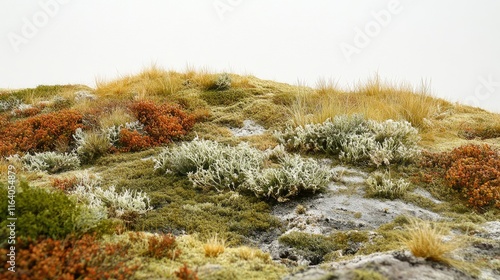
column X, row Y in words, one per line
column 184, row 273
column 65, row 184
column 133, row 141
column 39, row 133
column 72, row 258
column 473, row 170
column 163, row 246
column 162, row 123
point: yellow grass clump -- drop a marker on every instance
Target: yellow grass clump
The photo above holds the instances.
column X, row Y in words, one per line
column 119, row 116
column 375, row 99
column 214, row 246
column 248, row 253
column 426, row 240
column 152, row 81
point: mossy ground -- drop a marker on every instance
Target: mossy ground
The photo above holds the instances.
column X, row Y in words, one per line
column 180, row 208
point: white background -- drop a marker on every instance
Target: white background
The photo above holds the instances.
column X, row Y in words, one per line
column 453, row 44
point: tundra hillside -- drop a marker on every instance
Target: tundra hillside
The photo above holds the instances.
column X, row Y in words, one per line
column 203, row 175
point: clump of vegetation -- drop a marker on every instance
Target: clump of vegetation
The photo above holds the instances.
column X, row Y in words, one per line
column 214, row 246
column 473, row 170
column 300, row 209
column 162, row 123
column 312, row 246
column 162, row 246
column 294, row 175
column 362, row 274
column 152, row 81
column 127, row 205
column 223, row 82
column 154, row 125
column 427, row 241
column 39, row 213
column 317, row 247
column 382, row 185
column 8, row 104
column 71, row 258
column 356, row 140
column 41, row 133
column 91, row 145
column 488, row 129
column 27, row 110
column 184, row 273
column 51, row 162
column 63, row 183
column 375, row 99
column 248, row 253
column 43, row 92
column 209, row 164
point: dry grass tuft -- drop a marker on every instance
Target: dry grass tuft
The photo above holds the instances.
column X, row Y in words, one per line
column 214, row 246
column 426, row 240
column 375, row 99
column 152, row 81
column 248, row 253
column 119, row 116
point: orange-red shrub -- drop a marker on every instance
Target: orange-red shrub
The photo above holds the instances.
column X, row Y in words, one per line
column 29, row 112
column 162, row 246
column 162, row 123
column 39, row 133
column 64, row 184
column 132, row 141
column 473, row 170
column 184, row 273
column 72, row 258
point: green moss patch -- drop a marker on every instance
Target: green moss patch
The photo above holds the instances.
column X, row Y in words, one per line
column 179, row 207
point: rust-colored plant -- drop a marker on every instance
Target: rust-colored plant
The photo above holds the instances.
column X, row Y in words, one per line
column 184, row 273
column 162, row 246
column 84, row 258
column 28, row 112
column 162, row 123
column 64, row 183
column 473, row 170
column 133, row 141
column 39, row 133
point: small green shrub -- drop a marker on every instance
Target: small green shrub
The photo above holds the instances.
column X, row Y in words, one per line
column 356, row 140
column 382, row 185
column 312, row 246
column 39, row 213
column 51, row 162
column 224, row 98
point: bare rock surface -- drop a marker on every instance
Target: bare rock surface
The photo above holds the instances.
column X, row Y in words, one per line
column 337, row 209
column 344, row 207
column 392, row 265
column 249, row 128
